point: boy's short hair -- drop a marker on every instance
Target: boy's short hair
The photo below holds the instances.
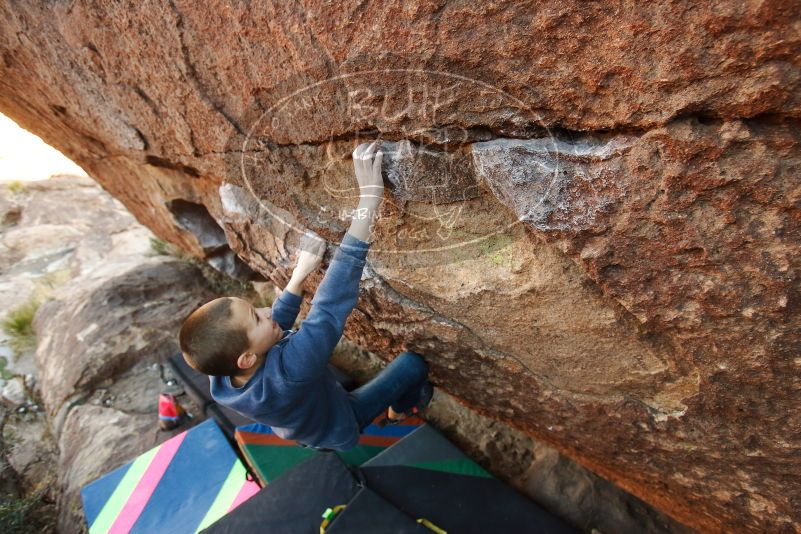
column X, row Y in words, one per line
column 210, row 342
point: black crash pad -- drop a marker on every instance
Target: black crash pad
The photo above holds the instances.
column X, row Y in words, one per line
column 294, row 502
column 458, row 503
column 369, row 513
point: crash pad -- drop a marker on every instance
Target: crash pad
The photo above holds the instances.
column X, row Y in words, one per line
column 180, row 486
column 424, row 475
column 369, row 513
column 293, row 503
column 269, row 455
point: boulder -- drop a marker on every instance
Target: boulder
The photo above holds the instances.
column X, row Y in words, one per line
column 102, row 323
column 591, row 219
column 110, row 315
column 52, row 231
column 117, row 423
column 94, row 441
column 31, row 452
column 14, row 391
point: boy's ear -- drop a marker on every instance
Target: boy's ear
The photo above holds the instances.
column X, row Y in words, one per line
column 190, row 362
column 246, row 360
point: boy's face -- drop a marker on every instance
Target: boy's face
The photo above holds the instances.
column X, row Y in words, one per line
column 262, row 331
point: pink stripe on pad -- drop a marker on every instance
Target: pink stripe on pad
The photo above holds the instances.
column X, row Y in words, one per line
column 248, row 490
column 146, row 486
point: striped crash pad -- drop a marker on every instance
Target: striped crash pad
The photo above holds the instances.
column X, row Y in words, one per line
column 270, row 455
column 181, row 486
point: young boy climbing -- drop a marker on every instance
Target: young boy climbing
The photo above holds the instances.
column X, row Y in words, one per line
column 272, row 374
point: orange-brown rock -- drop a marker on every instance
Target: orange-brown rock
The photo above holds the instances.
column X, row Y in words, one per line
column 593, row 233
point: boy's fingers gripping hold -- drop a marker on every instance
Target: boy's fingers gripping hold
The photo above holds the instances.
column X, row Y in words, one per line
column 365, row 151
column 377, row 164
column 361, row 162
column 312, row 243
column 367, row 164
column 370, row 151
column 358, row 153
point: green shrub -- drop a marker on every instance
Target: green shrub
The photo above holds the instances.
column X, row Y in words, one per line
column 159, row 247
column 262, row 301
column 220, row 283
column 25, row 515
column 18, row 326
column 16, row 187
column 5, row 374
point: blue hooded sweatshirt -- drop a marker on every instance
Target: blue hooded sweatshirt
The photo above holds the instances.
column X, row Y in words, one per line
column 293, row 391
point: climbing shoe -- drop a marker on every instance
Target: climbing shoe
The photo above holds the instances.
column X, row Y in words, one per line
column 426, row 393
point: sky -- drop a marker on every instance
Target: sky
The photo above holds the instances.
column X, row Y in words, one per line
column 25, row 157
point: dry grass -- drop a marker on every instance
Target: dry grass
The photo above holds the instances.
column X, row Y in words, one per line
column 18, row 326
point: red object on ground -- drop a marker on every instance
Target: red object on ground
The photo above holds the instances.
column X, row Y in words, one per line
column 170, row 411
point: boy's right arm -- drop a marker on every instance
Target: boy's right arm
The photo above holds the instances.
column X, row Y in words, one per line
column 306, row 354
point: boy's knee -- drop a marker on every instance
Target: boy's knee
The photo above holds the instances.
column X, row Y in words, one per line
column 416, row 360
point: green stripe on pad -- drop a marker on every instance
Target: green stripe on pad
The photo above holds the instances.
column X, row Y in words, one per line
column 225, row 498
column 122, row 493
column 458, row 466
column 270, row 461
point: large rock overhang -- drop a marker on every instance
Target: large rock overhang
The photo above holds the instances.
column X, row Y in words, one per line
column 592, row 233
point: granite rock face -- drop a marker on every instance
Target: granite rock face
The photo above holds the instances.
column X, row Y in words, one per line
column 113, row 427
column 591, row 224
column 83, row 400
column 101, row 324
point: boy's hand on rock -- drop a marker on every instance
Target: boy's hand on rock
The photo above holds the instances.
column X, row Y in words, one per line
column 312, row 250
column 367, row 164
